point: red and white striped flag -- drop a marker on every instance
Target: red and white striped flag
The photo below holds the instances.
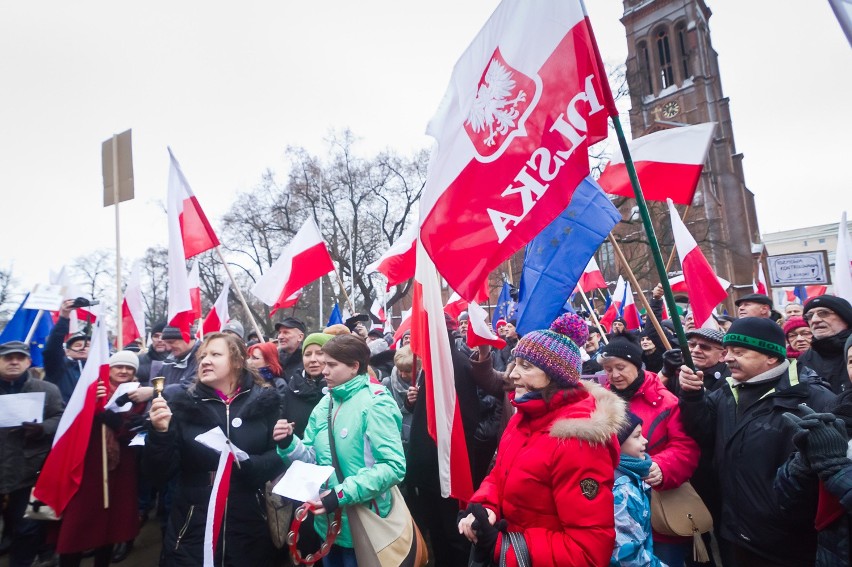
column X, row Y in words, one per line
column 614, row 308
column 705, row 290
column 431, row 342
column 197, row 235
column 479, row 332
column 378, row 310
column 180, row 311
column 404, row 325
column 132, row 309
column 592, row 278
column 525, row 101
column 397, row 264
column 630, row 313
column 668, row 163
column 216, row 506
column 60, row 476
column 304, row 260
column 218, row 316
column 194, row 280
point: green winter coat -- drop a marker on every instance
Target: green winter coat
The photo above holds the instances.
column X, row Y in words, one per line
column 367, row 429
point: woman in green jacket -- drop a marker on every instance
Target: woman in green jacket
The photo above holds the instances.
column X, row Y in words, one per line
column 366, row 424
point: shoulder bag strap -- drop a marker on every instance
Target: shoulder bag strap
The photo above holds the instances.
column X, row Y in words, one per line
column 519, row 544
column 334, row 462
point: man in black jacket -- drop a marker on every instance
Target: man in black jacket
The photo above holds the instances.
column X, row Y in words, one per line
column 150, row 362
column 830, row 320
column 290, row 332
column 741, row 425
column 64, row 360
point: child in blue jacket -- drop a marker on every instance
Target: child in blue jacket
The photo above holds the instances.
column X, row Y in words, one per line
column 633, row 544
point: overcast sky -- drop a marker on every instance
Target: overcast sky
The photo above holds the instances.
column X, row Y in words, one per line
column 230, row 85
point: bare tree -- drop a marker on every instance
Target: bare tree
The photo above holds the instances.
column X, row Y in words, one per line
column 10, row 295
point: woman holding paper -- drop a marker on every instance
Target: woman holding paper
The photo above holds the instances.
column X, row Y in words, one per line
column 87, row 523
column 229, row 396
column 363, row 422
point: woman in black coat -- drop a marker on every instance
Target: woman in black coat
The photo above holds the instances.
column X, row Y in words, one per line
column 228, row 395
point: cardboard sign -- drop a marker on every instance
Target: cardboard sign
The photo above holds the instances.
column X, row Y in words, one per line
column 48, row 297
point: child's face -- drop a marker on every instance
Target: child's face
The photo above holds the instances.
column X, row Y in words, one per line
column 635, row 444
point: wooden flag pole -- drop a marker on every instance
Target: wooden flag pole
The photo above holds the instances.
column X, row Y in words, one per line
column 674, row 247
column 343, row 289
column 635, row 285
column 104, row 465
column 652, row 241
column 594, row 316
column 242, row 299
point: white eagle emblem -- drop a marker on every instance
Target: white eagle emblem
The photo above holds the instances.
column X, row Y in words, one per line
column 492, row 109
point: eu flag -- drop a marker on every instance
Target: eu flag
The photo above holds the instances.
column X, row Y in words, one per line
column 19, row 326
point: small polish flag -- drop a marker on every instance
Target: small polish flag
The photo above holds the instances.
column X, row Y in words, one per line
column 668, row 163
column 197, row 235
column 378, row 310
column 132, row 309
column 705, row 289
column 397, row 264
column 629, row 311
column 404, row 325
column 479, row 332
column 614, row 309
column 759, row 286
column 218, row 316
column 592, row 277
column 304, row 260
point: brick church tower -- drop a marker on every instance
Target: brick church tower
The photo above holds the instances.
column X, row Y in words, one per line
column 673, row 78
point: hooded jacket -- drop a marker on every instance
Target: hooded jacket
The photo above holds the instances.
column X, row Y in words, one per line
column 747, row 450
column 553, row 477
column 248, row 422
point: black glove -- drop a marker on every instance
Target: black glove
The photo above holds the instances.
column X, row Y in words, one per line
column 136, row 422
column 672, row 361
column 330, row 502
column 798, row 465
column 109, row 418
column 486, row 534
column 827, row 445
column 123, row 399
column 32, row 430
column 284, row 443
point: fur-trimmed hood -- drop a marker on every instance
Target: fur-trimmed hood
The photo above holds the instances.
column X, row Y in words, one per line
column 609, row 415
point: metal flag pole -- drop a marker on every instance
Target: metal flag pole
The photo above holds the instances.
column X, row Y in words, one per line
column 115, row 195
column 652, row 239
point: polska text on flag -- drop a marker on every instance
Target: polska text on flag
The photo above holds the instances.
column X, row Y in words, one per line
column 525, row 101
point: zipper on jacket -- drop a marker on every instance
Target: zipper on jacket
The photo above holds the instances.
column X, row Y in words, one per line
column 185, row 527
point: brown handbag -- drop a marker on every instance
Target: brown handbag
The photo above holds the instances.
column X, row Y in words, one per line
column 681, row 512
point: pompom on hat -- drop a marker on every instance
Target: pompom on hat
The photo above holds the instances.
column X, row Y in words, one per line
column 556, row 350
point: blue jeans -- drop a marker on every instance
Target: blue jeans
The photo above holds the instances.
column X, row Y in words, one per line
column 672, row 554
column 340, row 557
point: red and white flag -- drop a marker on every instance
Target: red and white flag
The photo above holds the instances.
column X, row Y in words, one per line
column 404, row 325
column 62, row 472
column 431, row 342
column 133, row 309
column 479, row 332
column 304, row 260
column 180, row 311
column 455, row 305
column 759, row 285
column 194, row 280
column 218, row 316
column 525, row 100
column 629, row 312
column 668, row 163
column 705, row 290
column 679, row 284
column 216, row 506
column 612, row 312
column 378, row 310
column 397, row 264
column 592, row 278
column 197, row 235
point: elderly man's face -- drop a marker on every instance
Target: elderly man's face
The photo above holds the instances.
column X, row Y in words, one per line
column 753, row 309
column 78, row 350
column 793, row 310
column 824, row 322
column 178, row 347
column 746, row 363
column 13, row 366
column 593, row 342
column 289, row 339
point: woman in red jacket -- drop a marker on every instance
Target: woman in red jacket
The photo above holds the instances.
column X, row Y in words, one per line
column 549, row 495
column 674, row 454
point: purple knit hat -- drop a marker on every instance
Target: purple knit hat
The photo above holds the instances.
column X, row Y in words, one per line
column 557, row 350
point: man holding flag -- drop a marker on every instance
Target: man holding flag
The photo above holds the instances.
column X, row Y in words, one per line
column 64, row 358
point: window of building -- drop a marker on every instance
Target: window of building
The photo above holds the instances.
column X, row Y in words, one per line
column 647, row 85
column 805, row 243
column 682, row 51
column 822, row 240
column 664, row 57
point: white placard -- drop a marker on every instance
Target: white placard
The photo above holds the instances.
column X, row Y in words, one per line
column 48, row 297
column 302, row 481
column 122, row 389
column 216, row 440
column 15, row 409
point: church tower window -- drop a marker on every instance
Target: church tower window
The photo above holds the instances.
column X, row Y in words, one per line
column 664, row 57
column 683, row 52
column 645, row 69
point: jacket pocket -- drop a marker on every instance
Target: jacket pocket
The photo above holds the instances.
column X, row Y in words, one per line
column 185, row 526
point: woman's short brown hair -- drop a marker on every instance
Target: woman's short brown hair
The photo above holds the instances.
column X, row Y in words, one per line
column 237, row 355
column 349, row 350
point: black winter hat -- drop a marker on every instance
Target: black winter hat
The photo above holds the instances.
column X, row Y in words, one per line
column 172, row 333
column 627, row 429
column 626, row 347
column 754, row 298
column 757, row 334
column 158, row 327
column 836, row 304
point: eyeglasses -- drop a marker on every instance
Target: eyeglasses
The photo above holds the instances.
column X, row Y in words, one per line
column 704, row 347
column 804, row 333
column 821, row 313
column 80, row 349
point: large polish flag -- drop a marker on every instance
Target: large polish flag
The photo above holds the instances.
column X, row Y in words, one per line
column 218, row 316
column 133, row 309
column 180, row 312
column 63, row 469
column 668, row 164
column 304, row 260
column 431, row 342
column 194, row 279
column 525, row 100
column 592, row 277
column 614, row 309
column 196, row 233
column 705, row 289
column 397, row 264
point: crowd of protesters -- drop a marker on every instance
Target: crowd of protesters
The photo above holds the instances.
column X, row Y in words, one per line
column 576, row 437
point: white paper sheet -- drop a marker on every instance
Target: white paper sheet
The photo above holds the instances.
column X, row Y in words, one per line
column 139, row 440
column 120, row 391
column 18, row 408
column 302, row 481
column 216, row 440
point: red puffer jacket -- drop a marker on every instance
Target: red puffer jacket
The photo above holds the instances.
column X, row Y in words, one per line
column 553, row 477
